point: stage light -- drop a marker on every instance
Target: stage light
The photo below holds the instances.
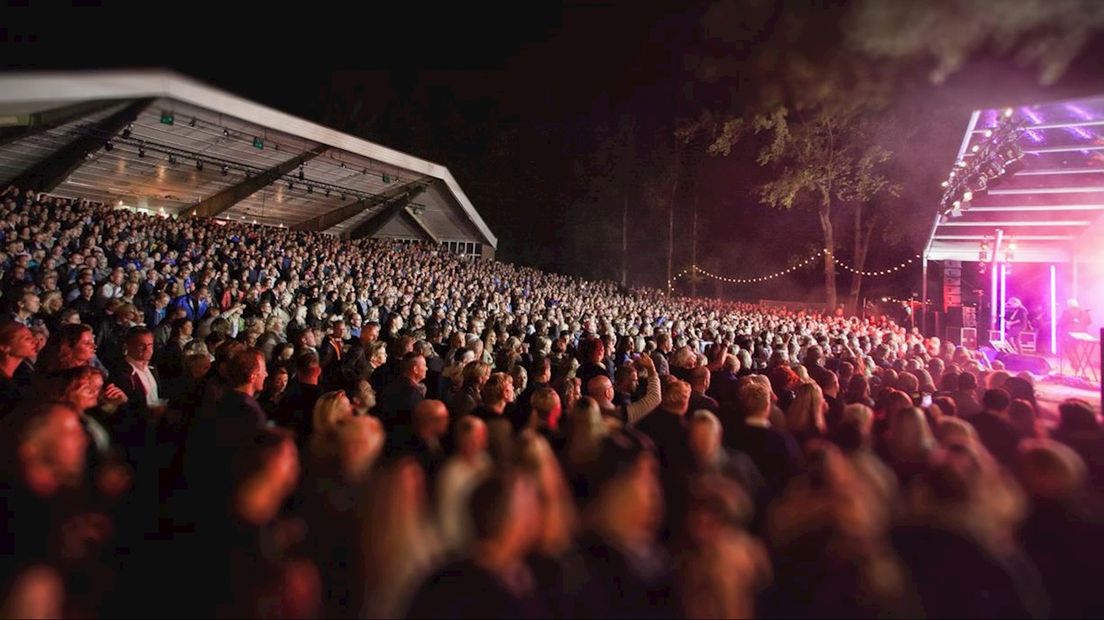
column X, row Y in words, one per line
column 141, row 152
column 126, row 131
column 1008, row 112
column 300, row 173
column 192, row 123
column 199, row 165
column 1053, row 311
column 310, row 189
column 967, row 196
column 172, row 159
column 225, row 132
column 108, row 146
column 291, row 185
column 988, row 133
column 975, row 148
column 225, row 170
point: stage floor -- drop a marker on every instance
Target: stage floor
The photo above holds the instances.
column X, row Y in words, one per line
column 1051, row 390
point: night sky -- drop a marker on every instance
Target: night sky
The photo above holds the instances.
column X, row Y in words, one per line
column 523, row 102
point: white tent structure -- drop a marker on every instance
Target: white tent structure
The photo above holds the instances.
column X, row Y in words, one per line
column 161, row 142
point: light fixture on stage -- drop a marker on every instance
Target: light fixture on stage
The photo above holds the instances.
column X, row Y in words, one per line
column 141, row 152
column 225, row 170
column 108, row 146
column 199, row 165
column 225, row 132
column 172, row 159
column 127, row 130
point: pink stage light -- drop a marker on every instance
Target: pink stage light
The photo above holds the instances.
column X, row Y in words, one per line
column 1003, row 295
column 1053, row 311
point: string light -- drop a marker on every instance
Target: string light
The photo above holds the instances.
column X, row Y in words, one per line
column 810, row 260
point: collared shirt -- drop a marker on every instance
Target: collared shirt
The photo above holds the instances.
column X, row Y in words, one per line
column 149, row 383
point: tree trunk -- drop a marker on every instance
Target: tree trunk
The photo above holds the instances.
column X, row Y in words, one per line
column 694, row 251
column 625, row 242
column 858, row 259
column 829, row 257
column 671, row 214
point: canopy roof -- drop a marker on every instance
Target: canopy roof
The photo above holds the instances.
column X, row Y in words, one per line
column 1052, row 207
column 163, row 142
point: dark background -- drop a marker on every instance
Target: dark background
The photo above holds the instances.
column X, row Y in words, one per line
column 524, row 102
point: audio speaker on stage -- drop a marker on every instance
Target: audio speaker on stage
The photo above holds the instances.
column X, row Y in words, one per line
column 963, row 336
column 1015, row 362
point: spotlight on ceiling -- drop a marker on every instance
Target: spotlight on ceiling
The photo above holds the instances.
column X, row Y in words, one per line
column 327, row 193
column 172, row 159
column 225, row 170
column 192, row 123
column 310, row 189
column 108, row 146
column 126, row 131
column 199, row 165
column 225, row 132
column 141, row 152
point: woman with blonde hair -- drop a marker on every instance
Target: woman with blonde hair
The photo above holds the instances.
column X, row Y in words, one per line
column 805, row 415
column 399, row 546
column 330, row 411
column 909, row 443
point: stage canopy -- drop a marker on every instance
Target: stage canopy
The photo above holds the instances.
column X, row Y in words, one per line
column 1047, row 206
column 167, row 144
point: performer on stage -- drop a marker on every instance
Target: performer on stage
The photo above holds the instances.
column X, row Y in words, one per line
column 1015, row 321
column 1074, row 319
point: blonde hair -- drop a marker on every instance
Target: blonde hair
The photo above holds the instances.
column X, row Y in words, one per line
column 806, row 412
column 328, row 412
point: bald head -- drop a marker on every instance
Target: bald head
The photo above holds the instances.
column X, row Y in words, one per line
column 699, row 379
column 430, row 418
column 600, row 388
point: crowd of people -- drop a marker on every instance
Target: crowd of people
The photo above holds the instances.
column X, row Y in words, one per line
column 207, row 418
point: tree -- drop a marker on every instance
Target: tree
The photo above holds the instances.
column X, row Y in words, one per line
column 822, row 159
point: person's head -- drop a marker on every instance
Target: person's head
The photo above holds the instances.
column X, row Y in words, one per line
column 369, row 332
column 246, row 371
column 498, row 390
column 197, row 365
column 806, row 412
column 704, row 433
column 430, row 419
column 1021, row 414
column 967, row 382
column 996, row 401
column 278, row 380
column 69, row 345
column 331, row 409
column 542, row 370
column 676, row 398
column 756, row 399
column 545, row 403
column 1050, row 471
column 413, row 367
column 307, row 368
column 264, row 472
column 16, row 341
column 80, row 386
column 49, row 445
column 600, row 388
column 699, row 379
column 471, row 436
column 627, row 378
column 476, row 374
column 626, row 497
column 954, row 430
column 28, row 304
column 1077, row 416
column 377, row 354
column 520, row 377
column 910, row 438
column 505, row 512
column 139, row 344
